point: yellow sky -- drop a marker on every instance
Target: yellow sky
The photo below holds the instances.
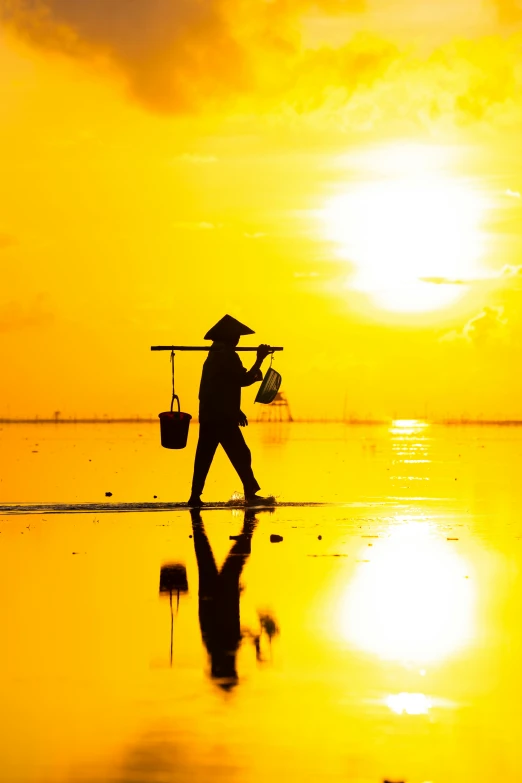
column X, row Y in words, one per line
column 343, row 176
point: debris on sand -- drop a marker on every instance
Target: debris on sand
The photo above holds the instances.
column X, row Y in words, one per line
column 275, row 539
column 108, row 494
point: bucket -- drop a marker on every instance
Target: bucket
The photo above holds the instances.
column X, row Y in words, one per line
column 174, row 426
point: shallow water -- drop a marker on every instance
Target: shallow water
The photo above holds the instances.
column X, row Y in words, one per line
column 379, row 640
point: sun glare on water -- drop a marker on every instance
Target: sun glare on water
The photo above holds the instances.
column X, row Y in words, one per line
column 412, row 602
column 411, row 230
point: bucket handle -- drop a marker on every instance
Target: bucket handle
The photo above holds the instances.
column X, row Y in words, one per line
column 175, row 397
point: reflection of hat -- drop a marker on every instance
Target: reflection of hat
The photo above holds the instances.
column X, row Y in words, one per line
column 227, row 328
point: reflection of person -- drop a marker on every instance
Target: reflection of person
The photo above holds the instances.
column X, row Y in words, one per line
column 219, row 593
column 220, row 414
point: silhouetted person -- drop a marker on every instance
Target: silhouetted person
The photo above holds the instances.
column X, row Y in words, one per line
column 220, row 414
column 219, row 593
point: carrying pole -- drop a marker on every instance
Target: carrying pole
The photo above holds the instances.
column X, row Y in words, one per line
column 202, row 348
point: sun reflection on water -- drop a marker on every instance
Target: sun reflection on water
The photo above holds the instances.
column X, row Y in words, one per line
column 412, row 425
column 411, row 602
column 409, row 703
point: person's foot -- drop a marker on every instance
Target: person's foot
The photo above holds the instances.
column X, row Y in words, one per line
column 195, row 501
column 258, row 500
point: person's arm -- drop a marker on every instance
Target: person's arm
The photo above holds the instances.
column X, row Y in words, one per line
column 254, row 374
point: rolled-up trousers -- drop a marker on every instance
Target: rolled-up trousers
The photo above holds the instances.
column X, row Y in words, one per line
column 211, row 434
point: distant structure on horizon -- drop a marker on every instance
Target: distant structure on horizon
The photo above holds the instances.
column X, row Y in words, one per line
column 278, row 410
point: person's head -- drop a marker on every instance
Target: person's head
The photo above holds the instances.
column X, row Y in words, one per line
column 232, row 340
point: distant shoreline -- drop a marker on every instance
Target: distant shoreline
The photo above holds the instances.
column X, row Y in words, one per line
column 348, row 422
column 155, row 420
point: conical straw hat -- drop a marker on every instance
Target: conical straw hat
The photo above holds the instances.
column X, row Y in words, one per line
column 227, row 328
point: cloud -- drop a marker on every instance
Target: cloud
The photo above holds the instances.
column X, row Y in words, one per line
column 15, row 316
column 172, row 53
column 509, row 11
column 175, row 54
column 248, row 57
column 491, row 78
column 369, row 83
column 487, row 326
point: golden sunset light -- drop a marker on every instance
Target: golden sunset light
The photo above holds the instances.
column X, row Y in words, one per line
column 411, row 603
column 414, row 235
column 261, row 407
column 358, row 162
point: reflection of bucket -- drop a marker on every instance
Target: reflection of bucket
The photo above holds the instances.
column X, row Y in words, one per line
column 173, row 578
column 174, row 427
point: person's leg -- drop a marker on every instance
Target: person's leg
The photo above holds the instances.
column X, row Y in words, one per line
column 208, row 442
column 233, row 442
column 208, row 583
column 207, row 568
column 238, row 555
column 227, row 606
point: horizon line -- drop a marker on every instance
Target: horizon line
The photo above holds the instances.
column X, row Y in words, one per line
column 462, row 421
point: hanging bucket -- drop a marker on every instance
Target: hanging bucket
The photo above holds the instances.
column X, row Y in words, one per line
column 174, row 426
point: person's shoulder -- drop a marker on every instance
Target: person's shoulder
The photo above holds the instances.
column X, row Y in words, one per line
column 224, row 357
column 232, row 358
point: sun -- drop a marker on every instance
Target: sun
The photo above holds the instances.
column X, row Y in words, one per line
column 412, row 231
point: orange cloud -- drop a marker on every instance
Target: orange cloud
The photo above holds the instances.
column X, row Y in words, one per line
column 175, row 55
column 194, row 55
column 509, row 11
column 172, row 53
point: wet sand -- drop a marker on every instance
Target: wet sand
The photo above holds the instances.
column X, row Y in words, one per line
column 380, row 639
